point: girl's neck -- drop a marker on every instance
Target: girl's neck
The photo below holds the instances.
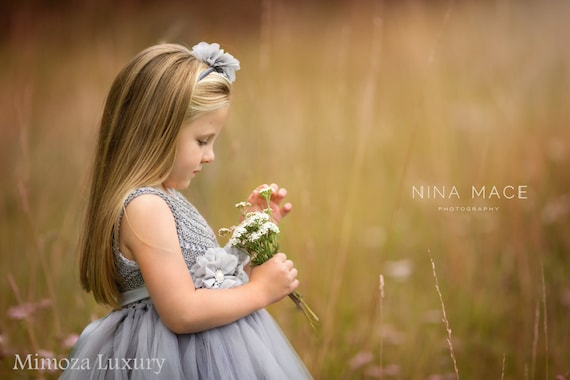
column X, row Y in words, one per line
column 164, row 189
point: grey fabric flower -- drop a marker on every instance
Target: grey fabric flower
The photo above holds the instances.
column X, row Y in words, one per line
column 217, row 59
column 218, row 268
column 243, row 260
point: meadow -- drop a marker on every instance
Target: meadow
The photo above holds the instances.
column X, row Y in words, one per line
column 350, row 106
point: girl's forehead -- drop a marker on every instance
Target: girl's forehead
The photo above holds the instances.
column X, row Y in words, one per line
column 212, row 120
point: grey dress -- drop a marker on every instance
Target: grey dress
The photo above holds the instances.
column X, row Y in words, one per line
column 133, row 342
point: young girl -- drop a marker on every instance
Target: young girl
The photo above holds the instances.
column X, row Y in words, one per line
column 185, row 308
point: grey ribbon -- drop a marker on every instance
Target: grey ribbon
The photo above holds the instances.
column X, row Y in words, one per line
column 133, row 295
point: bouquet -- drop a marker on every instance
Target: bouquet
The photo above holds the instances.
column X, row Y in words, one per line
column 257, row 236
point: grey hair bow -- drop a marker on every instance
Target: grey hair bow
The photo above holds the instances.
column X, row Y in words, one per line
column 217, row 59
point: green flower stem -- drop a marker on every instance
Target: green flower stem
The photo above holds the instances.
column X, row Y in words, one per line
column 307, row 312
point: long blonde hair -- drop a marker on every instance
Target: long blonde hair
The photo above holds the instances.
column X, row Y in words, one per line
column 147, row 104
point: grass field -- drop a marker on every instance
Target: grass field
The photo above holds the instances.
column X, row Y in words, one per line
column 350, row 106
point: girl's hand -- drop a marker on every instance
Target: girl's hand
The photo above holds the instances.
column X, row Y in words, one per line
column 258, row 203
column 276, row 278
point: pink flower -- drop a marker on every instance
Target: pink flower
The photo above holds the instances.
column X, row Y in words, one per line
column 69, row 341
column 26, row 309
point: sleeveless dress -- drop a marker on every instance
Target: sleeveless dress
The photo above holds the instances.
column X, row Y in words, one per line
column 133, row 342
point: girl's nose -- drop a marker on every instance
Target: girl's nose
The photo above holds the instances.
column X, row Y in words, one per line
column 208, row 156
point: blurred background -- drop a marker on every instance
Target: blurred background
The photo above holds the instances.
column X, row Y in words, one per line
column 350, row 105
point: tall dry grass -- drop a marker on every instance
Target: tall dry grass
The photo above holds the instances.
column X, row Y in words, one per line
column 348, row 106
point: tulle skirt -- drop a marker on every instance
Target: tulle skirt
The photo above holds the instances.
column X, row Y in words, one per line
column 133, row 343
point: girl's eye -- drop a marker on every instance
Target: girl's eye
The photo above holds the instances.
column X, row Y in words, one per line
column 202, row 142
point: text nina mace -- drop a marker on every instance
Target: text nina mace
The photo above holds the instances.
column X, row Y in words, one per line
column 476, row 192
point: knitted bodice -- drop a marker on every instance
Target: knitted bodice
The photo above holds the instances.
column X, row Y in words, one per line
column 194, row 236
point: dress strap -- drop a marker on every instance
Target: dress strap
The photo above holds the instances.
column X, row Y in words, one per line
column 133, row 295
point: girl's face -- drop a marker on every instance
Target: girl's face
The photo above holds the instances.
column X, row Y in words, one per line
column 195, row 147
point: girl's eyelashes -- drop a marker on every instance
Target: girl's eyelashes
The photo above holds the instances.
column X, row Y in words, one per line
column 205, row 140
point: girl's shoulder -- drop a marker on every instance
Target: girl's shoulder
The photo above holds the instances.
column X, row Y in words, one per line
column 141, row 191
column 174, row 199
column 149, row 206
column 151, row 199
column 148, row 213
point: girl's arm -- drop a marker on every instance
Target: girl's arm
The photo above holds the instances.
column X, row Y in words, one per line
column 148, row 235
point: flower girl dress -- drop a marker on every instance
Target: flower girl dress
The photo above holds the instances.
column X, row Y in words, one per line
column 133, row 342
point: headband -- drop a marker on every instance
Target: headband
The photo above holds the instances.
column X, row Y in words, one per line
column 217, row 59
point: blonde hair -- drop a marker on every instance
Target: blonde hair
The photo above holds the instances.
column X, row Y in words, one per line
column 147, row 104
